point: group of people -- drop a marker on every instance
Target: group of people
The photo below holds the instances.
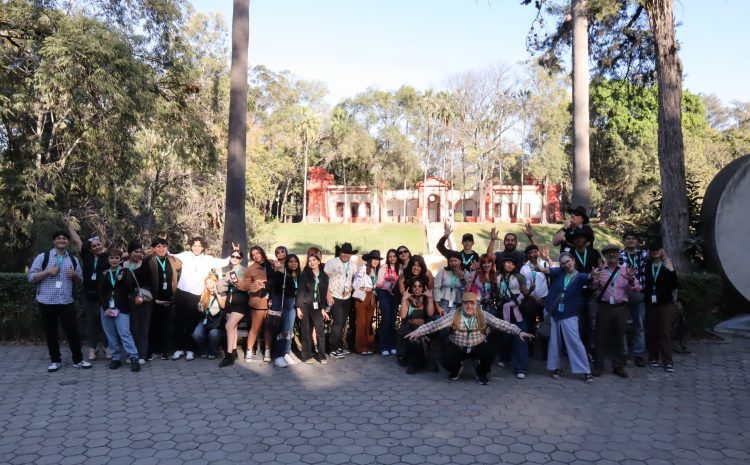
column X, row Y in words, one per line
column 143, row 303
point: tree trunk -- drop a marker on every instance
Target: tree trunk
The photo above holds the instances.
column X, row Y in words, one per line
column 304, row 188
column 235, row 229
column 581, row 158
column 674, row 207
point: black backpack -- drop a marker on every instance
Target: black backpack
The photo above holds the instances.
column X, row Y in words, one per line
column 47, row 256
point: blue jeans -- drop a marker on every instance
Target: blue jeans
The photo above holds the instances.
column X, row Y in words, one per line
column 283, row 343
column 637, row 314
column 388, row 309
column 117, row 330
column 520, row 348
column 208, row 340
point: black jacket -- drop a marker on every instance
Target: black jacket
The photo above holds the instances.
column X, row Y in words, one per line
column 306, row 288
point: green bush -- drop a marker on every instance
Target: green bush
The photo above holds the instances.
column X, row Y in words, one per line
column 19, row 314
column 700, row 295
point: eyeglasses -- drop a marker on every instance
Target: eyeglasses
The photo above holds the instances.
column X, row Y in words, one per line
column 236, row 256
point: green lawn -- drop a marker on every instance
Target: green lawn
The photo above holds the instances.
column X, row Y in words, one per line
column 298, row 237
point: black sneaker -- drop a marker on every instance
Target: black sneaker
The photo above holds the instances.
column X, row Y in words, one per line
column 337, row 354
column 115, row 364
column 227, row 361
column 343, row 351
column 483, row 379
column 134, row 365
column 164, row 356
column 151, row 358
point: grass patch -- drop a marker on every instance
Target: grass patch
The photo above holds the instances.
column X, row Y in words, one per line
column 298, row 236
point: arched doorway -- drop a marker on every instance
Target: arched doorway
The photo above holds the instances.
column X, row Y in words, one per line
column 433, row 208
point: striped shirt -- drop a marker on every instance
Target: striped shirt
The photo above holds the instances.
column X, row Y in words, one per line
column 48, row 291
column 467, row 337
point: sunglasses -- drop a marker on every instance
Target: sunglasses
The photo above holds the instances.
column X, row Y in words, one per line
column 236, row 256
column 402, row 252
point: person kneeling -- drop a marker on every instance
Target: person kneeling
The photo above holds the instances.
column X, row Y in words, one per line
column 468, row 337
column 207, row 333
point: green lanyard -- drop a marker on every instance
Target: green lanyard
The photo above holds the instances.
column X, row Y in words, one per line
column 295, row 282
column 163, row 265
column 346, row 269
column 468, row 322
column 59, row 260
column 632, row 260
column 656, row 274
column 466, row 261
column 408, row 313
column 315, row 290
column 533, row 272
column 585, row 257
column 612, row 281
column 113, row 280
column 96, row 261
column 566, row 282
column 211, row 304
column 453, row 281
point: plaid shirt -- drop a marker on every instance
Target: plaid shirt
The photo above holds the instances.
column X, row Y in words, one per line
column 47, row 291
column 464, row 337
column 640, row 268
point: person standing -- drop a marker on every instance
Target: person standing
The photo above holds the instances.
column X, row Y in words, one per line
column 387, row 286
column 467, row 254
column 578, row 221
column 563, row 304
column 163, row 271
column 115, row 286
column 311, row 308
column 661, row 283
column 635, row 259
column 365, row 302
column 468, row 337
column 54, row 272
column 236, row 307
column 340, row 275
column 93, row 263
column 510, row 243
column 258, row 286
column 284, row 285
column 196, row 265
column 449, row 285
column 512, row 290
column 142, row 303
column 613, row 281
column 535, row 272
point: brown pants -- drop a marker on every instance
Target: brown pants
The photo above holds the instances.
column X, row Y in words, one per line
column 364, row 335
column 610, row 331
column 659, row 320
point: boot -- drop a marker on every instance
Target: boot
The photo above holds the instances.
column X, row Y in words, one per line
column 228, row 359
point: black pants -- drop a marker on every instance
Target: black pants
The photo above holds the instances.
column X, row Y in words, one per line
column 140, row 323
column 340, row 312
column 65, row 315
column 159, row 335
column 311, row 318
column 186, row 317
column 453, row 355
column 610, row 331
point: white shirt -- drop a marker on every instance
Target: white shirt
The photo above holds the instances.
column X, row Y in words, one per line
column 541, row 289
column 340, row 276
column 195, row 269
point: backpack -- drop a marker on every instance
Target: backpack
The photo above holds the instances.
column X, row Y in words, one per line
column 47, row 256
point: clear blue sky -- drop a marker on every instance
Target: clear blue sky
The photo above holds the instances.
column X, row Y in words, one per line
column 353, row 44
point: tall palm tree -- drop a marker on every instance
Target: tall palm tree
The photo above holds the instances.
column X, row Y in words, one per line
column 235, row 229
column 581, row 157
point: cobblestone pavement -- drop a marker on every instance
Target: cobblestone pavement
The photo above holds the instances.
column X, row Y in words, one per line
column 367, row 410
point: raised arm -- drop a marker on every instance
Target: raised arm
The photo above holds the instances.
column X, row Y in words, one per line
column 73, row 234
column 491, row 245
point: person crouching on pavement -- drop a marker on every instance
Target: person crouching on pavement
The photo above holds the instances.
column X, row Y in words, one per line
column 468, row 337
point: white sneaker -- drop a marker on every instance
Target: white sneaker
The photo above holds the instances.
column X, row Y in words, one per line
column 521, row 375
column 190, row 356
column 289, row 360
column 248, row 356
column 84, row 365
column 501, row 364
column 53, row 367
column 385, row 353
column 267, row 356
column 393, row 351
column 141, row 361
column 280, row 362
column 177, row 354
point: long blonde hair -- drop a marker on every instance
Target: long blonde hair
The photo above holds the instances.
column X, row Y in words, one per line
column 206, row 297
column 481, row 325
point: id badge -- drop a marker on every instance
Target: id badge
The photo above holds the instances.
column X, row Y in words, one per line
column 58, row 284
column 468, row 349
column 164, row 285
column 611, row 300
column 653, row 299
column 111, row 303
column 585, row 286
column 561, row 308
column 450, row 304
column 205, row 320
column 93, row 276
column 315, row 305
